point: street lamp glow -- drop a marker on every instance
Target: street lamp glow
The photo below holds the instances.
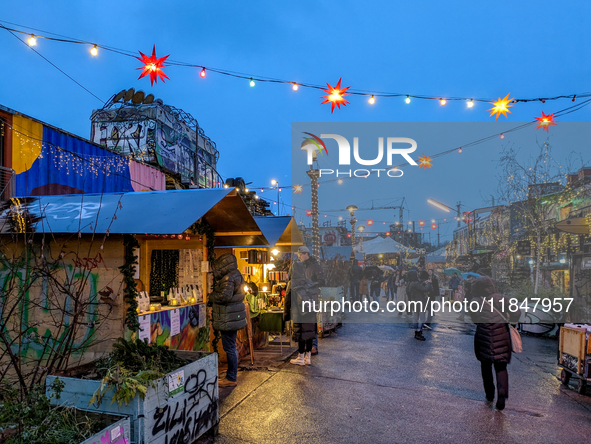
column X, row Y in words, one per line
column 361, row 228
column 273, row 182
column 439, row 205
column 351, row 209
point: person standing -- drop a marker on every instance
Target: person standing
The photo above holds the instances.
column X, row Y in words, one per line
column 454, row 284
column 401, row 289
column 300, row 290
column 355, row 275
column 316, row 275
column 391, row 286
column 419, row 293
column 434, row 296
column 492, row 340
column 228, row 310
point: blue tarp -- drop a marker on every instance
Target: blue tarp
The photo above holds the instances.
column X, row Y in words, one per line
column 150, row 212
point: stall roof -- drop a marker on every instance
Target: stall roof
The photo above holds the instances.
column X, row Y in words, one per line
column 150, row 212
column 278, row 231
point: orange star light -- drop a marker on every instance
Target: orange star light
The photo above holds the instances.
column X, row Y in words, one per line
column 153, row 66
column 545, row 121
column 336, row 95
column 297, row 189
column 424, row 162
column 501, row 106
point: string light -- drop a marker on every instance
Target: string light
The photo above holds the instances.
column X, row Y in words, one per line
column 295, row 86
column 32, row 40
column 372, row 100
column 502, row 136
column 442, row 101
column 251, row 81
column 202, row 73
column 407, row 99
column 470, row 103
column 94, row 51
column 460, row 150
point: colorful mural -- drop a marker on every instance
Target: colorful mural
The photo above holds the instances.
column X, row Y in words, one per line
column 160, row 135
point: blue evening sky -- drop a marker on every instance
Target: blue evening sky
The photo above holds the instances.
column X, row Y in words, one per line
column 441, row 49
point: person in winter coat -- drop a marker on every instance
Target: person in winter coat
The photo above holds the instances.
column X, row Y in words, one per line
column 228, row 310
column 300, row 289
column 355, row 275
column 418, row 292
column 401, row 288
column 434, row 296
column 316, row 275
column 454, row 283
column 492, row 340
column 363, row 289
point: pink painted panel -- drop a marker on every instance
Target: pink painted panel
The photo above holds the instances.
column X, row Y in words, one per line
column 146, row 178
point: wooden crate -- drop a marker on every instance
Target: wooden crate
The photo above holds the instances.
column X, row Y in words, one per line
column 159, row 418
column 573, row 342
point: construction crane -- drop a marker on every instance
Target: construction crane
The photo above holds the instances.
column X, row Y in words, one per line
column 373, row 207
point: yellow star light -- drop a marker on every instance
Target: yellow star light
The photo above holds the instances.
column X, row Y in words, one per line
column 424, row 162
column 297, row 189
column 501, row 106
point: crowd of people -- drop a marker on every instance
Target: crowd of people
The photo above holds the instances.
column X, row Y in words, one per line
column 492, row 340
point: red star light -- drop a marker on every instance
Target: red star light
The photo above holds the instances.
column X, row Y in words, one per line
column 297, row 189
column 335, row 95
column 424, row 162
column 153, row 66
column 545, row 121
column 308, row 212
column 501, row 106
column 370, row 222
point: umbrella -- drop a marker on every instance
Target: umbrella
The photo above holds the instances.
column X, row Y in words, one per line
column 470, row 273
column 385, row 267
column 452, row 271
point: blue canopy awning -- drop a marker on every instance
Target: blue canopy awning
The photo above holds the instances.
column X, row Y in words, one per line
column 150, row 212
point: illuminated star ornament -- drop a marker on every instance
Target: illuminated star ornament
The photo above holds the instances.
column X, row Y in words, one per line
column 153, row 66
column 501, row 106
column 545, row 121
column 425, row 162
column 336, row 95
column 297, row 189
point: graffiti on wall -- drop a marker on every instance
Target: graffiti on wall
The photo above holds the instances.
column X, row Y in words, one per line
column 189, row 417
column 154, row 135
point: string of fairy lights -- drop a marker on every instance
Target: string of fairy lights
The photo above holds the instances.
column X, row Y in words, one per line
column 335, row 95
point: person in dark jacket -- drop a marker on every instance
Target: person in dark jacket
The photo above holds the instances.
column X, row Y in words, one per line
column 228, row 310
column 316, row 275
column 391, row 288
column 454, row 283
column 300, row 289
column 417, row 292
column 492, row 340
column 355, row 275
column 432, row 278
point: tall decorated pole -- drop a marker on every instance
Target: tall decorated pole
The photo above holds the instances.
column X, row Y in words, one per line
column 351, row 209
column 314, row 174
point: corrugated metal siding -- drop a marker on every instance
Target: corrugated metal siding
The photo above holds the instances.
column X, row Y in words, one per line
column 68, row 165
column 146, row 178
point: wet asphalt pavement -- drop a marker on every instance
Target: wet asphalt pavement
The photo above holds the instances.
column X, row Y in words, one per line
column 374, row 383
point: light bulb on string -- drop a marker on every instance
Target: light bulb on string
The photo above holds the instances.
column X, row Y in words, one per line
column 202, row 73
column 94, row 51
column 32, row 41
column 460, row 150
column 470, row 103
column 251, row 81
column 502, row 136
column 442, row 101
column 407, row 99
column 295, row 87
column 372, row 100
